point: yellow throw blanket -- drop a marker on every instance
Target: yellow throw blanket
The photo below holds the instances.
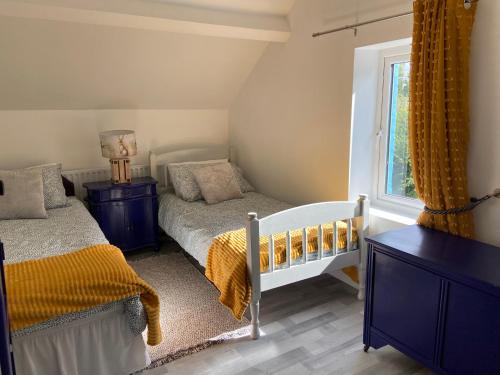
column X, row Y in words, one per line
column 42, row 289
column 227, row 268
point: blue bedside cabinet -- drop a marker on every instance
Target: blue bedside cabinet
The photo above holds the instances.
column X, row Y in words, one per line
column 126, row 213
column 436, row 298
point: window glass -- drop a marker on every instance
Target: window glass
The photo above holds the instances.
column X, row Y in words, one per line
column 399, row 180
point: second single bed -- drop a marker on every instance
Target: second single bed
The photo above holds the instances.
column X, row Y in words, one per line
column 256, row 243
column 194, row 225
column 70, row 342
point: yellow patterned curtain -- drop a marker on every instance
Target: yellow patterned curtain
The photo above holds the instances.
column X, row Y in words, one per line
column 439, row 110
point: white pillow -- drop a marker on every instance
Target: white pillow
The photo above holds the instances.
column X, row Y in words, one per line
column 22, row 195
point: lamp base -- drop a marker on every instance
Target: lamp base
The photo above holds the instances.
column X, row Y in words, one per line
column 120, row 171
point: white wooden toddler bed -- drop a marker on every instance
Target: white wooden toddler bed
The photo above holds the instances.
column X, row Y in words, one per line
column 195, row 225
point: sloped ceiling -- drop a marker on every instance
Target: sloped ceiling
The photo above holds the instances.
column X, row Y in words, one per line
column 276, row 7
column 56, row 64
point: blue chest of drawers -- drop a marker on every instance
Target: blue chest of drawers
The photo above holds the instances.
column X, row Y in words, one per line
column 126, row 213
column 436, row 298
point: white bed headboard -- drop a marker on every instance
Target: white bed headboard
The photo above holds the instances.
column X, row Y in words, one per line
column 159, row 158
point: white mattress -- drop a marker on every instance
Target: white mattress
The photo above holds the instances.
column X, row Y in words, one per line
column 65, row 230
column 195, row 224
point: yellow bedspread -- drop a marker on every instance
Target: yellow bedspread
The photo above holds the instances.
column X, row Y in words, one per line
column 42, row 289
column 226, row 264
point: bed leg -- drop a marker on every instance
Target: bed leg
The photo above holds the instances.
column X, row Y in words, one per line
column 362, row 227
column 254, row 311
column 253, row 268
column 361, row 287
column 362, row 273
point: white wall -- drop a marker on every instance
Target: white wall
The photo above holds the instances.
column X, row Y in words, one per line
column 62, row 65
column 291, row 120
column 484, row 157
column 72, row 137
column 62, row 83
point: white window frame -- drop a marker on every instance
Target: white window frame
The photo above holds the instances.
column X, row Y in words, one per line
column 401, row 205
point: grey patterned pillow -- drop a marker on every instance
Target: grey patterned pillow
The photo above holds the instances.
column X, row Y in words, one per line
column 245, row 186
column 182, row 178
column 53, row 189
column 218, row 183
column 23, row 195
column 184, row 182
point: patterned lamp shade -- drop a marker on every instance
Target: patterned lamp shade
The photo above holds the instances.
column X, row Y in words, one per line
column 118, row 144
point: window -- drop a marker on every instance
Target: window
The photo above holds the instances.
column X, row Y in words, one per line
column 395, row 182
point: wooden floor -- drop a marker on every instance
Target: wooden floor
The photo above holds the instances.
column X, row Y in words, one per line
column 312, row 327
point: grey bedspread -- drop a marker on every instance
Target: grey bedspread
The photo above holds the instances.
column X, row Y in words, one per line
column 195, row 224
column 67, row 229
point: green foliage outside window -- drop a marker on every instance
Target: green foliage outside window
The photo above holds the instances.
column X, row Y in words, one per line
column 399, row 179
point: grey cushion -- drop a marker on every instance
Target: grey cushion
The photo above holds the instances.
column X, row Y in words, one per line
column 245, row 186
column 184, row 182
column 182, row 178
column 218, row 183
column 23, row 195
column 53, row 188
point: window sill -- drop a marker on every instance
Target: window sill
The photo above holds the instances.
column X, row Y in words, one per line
column 393, row 217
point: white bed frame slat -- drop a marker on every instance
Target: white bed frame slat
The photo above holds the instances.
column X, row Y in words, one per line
column 288, row 249
column 335, row 238
column 320, row 241
column 349, row 235
column 305, row 243
column 271, row 253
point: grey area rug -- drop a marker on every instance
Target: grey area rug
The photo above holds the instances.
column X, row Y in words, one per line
column 192, row 319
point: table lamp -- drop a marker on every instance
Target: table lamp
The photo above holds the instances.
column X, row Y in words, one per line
column 118, row 146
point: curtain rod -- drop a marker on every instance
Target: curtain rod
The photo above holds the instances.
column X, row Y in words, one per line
column 467, row 5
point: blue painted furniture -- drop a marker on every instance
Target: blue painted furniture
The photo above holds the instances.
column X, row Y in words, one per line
column 436, row 298
column 6, row 355
column 126, row 213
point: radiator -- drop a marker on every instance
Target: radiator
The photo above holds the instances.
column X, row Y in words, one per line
column 81, row 176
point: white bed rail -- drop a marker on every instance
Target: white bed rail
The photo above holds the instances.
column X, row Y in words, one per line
column 301, row 218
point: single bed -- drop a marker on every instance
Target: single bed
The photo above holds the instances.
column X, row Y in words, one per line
column 193, row 225
column 105, row 339
column 196, row 225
